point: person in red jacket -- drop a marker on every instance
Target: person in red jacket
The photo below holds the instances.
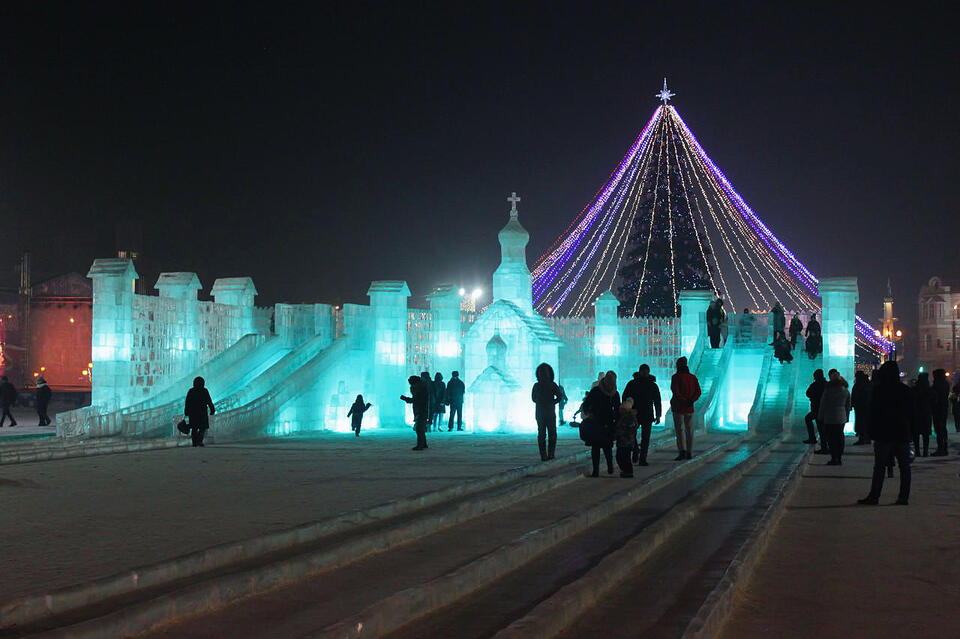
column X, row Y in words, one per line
column 686, row 391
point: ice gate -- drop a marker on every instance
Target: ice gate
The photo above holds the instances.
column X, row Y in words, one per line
column 302, row 374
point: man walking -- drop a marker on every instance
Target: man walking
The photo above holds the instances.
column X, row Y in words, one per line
column 8, row 395
column 645, row 393
column 686, row 391
column 43, row 401
column 454, row 399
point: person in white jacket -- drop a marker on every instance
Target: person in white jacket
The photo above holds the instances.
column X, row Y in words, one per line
column 834, row 413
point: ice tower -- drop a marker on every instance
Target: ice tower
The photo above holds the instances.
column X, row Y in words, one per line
column 511, row 280
column 507, row 341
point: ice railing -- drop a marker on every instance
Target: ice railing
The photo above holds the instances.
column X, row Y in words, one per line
column 757, row 328
column 250, row 419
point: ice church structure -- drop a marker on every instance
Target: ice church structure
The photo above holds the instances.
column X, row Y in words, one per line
column 301, row 374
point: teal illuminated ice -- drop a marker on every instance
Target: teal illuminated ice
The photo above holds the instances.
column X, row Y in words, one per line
column 304, row 373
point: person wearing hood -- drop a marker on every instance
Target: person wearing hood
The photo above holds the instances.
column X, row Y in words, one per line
column 43, row 401
column 195, row 407
column 891, row 416
column 860, row 397
column 685, row 389
column 834, row 413
column 645, row 393
column 602, row 407
column 814, row 393
column 546, row 395
column 356, row 412
column 420, row 399
column 923, row 413
column 796, row 327
column 941, row 408
column 782, row 348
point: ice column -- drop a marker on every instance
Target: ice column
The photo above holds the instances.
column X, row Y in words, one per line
column 185, row 332
column 112, row 344
column 693, row 318
column 237, row 291
column 445, row 331
column 388, row 303
column 839, row 296
column 606, row 341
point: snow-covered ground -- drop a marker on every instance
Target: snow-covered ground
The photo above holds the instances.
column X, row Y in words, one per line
column 836, row 570
column 73, row 520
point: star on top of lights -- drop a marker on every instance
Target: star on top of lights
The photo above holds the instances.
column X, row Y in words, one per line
column 665, row 93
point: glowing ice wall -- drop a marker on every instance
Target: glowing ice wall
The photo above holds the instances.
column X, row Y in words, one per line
column 445, row 329
column 839, row 296
column 297, row 323
column 141, row 344
column 184, row 338
column 238, row 292
column 112, row 333
column 693, row 318
column 388, row 304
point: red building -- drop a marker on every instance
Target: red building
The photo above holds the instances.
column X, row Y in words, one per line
column 48, row 333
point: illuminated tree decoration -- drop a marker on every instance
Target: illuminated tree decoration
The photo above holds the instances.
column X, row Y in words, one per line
column 668, row 220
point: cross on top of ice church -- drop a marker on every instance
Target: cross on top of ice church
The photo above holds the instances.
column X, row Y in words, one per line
column 665, row 93
column 513, row 199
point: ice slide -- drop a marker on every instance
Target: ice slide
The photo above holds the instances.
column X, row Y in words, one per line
column 226, row 375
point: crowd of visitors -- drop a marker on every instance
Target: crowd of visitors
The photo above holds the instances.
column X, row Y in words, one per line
column 610, row 419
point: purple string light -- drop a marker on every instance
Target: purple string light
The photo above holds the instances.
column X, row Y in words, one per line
column 543, row 279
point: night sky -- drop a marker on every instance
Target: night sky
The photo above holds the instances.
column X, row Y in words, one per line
column 317, row 147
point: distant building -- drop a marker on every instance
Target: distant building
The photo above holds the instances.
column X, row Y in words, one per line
column 48, row 333
column 938, row 310
column 888, row 326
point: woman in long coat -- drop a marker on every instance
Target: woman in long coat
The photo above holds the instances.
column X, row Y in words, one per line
column 195, row 408
column 603, row 406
